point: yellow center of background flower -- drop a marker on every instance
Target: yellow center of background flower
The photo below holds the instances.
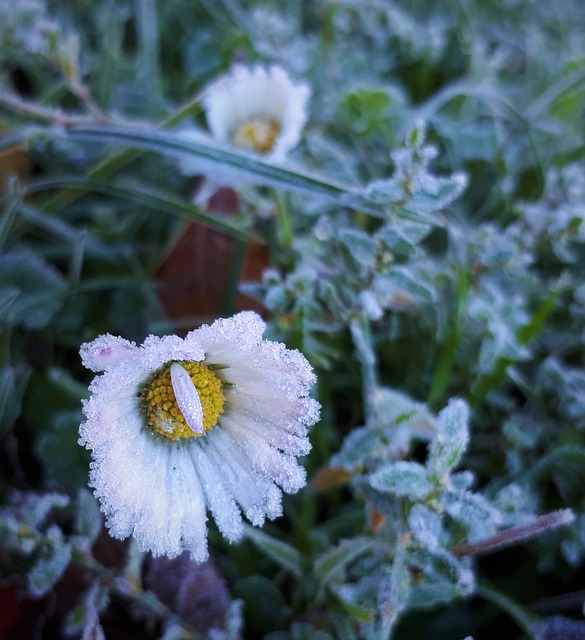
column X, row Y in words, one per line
column 257, row 135
column 162, row 412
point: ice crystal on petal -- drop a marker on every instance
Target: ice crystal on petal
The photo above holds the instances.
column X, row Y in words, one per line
column 105, row 351
column 158, row 489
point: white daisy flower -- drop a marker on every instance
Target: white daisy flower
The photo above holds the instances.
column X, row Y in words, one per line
column 178, row 426
column 257, row 109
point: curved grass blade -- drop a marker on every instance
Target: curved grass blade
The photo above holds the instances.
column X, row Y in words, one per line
column 151, row 199
column 212, row 158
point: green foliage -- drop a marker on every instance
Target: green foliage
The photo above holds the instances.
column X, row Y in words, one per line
column 425, row 246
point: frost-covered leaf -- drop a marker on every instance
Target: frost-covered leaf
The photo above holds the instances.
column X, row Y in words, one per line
column 361, row 445
column 394, row 596
column 445, row 578
column 37, row 508
column 351, row 598
column 393, row 408
column 384, row 192
column 398, row 287
column 425, row 525
column 431, row 595
column 403, row 478
column 360, row 245
column 52, row 562
column 84, row 618
column 88, row 519
column 451, row 439
column 370, row 305
column 474, row 511
column 330, row 566
column 434, row 194
column 403, row 236
column 281, row 552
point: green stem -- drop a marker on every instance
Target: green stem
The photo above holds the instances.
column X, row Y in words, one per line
column 285, row 226
column 442, row 373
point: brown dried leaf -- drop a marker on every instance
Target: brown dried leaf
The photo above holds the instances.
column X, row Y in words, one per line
column 329, row 477
column 194, row 279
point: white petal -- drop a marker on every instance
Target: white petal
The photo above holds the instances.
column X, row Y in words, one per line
column 187, row 397
column 105, row 351
column 246, row 94
column 282, row 469
column 257, row 495
column 219, row 499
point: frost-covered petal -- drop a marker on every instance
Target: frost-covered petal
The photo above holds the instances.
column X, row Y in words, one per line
column 220, row 500
column 281, row 469
column 257, row 495
column 105, row 351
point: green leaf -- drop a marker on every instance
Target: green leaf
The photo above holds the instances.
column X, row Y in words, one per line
column 330, row 566
column 37, row 508
column 265, row 607
column 365, row 110
column 451, row 438
column 566, row 467
column 13, row 382
column 431, row 595
column 399, row 284
column 525, row 619
column 403, row 236
column 282, row 553
column 360, row 445
column 222, row 163
column 437, row 193
column 444, row 367
column 88, row 518
column 39, row 285
column 479, row 516
column 63, row 460
column 155, row 200
column 51, row 565
column 360, row 245
column 348, row 596
column 403, row 478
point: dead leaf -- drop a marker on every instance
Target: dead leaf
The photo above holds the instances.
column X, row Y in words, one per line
column 195, row 277
column 329, row 477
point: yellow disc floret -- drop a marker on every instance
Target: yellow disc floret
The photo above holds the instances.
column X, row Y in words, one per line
column 256, row 135
column 160, row 405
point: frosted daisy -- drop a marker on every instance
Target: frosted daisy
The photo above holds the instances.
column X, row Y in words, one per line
column 257, row 109
column 179, row 426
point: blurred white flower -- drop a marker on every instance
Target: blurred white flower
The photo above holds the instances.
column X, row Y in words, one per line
column 178, row 426
column 257, row 109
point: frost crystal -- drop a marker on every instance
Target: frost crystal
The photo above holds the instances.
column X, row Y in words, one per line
column 159, row 489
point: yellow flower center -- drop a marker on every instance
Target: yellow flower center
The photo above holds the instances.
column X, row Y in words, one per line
column 256, row 135
column 160, row 404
